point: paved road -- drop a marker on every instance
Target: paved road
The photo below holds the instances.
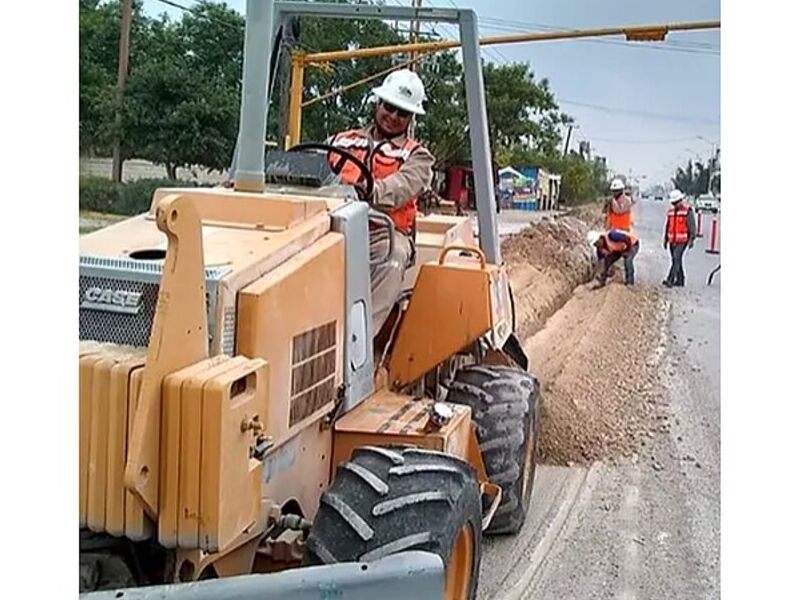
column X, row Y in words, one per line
column 631, row 531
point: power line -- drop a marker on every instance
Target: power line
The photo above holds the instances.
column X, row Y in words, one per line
column 525, row 25
column 495, row 52
column 193, row 10
column 663, row 46
column 641, row 114
column 530, row 25
column 669, row 141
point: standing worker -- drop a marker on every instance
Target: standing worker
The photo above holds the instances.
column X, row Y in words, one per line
column 618, row 207
column 402, row 169
column 680, row 231
column 610, row 248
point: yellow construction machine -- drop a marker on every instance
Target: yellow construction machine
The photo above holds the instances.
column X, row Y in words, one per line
column 243, row 431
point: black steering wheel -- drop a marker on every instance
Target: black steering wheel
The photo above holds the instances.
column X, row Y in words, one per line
column 364, row 193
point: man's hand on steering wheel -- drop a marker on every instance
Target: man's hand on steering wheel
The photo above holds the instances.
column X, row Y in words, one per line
column 363, row 192
column 364, row 186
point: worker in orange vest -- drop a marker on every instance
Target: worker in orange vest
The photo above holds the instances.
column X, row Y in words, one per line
column 610, row 247
column 680, row 232
column 618, row 207
column 402, row 169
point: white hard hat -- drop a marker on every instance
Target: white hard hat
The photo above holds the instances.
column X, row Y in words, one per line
column 403, row 89
column 617, row 184
column 593, row 236
column 676, row 196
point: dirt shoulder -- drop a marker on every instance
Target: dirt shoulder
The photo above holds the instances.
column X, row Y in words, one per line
column 594, row 352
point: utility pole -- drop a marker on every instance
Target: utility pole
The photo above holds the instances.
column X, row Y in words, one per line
column 122, row 75
column 414, row 32
column 413, row 38
column 566, row 143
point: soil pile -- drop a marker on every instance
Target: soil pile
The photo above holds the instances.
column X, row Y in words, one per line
column 546, row 261
column 597, row 360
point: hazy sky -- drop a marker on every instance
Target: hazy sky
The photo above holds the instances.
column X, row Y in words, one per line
column 671, row 91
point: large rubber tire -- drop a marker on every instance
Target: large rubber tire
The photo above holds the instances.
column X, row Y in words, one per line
column 389, row 500
column 505, row 408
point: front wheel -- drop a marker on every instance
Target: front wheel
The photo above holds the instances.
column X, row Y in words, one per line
column 505, row 409
column 390, row 500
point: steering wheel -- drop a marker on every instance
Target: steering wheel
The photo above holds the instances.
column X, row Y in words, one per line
column 364, row 194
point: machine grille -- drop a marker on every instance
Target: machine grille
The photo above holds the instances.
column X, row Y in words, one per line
column 118, row 297
column 313, row 371
column 229, row 330
column 129, row 329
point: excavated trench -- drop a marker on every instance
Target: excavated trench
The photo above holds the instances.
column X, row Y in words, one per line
column 595, row 352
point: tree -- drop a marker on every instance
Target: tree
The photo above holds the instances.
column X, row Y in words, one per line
column 444, row 127
column 99, row 25
column 181, row 106
column 692, row 180
column 348, row 109
column 522, row 112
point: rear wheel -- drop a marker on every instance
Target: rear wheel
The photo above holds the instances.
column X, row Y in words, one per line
column 389, row 500
column 505, row 408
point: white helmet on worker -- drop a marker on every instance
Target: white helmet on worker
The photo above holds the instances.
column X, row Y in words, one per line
column 403, row 89
column 593, row 236
column 676, row 196
column 617, row 185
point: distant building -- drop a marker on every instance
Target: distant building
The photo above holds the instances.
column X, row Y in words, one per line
column 529, row 188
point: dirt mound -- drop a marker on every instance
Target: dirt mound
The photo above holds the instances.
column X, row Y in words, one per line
column 596, row 353
column 591, row 214
column 546, row 261
column 597, row 361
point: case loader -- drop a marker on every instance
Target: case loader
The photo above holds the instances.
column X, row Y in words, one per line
column 243, row 431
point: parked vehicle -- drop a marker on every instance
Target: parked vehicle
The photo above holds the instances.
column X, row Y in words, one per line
column 707, row 203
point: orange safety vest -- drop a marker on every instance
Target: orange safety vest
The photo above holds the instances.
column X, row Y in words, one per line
column 386, row 160
column 678, row 224
column 621, row 246
column 618, row 220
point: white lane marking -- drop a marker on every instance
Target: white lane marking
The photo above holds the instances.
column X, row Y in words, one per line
column 629, row 532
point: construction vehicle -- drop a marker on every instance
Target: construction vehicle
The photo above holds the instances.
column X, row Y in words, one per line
column 243, row 431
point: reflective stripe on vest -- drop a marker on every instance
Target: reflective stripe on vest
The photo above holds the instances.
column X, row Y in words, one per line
column 386, row 159
column 678, row 225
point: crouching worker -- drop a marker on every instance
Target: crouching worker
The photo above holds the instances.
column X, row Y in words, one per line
column 612, row 246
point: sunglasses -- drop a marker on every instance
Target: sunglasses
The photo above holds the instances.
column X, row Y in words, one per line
column 393, row 109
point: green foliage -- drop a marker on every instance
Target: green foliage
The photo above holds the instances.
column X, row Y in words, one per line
column 581, row 180
column 99, row 194
column 181, row 102
column 693, row 179
column 103, row 195
column 443, row 128
column 349, row 109
column 522, row 111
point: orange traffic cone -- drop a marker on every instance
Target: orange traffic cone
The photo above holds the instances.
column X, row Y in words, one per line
column 712, row 242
